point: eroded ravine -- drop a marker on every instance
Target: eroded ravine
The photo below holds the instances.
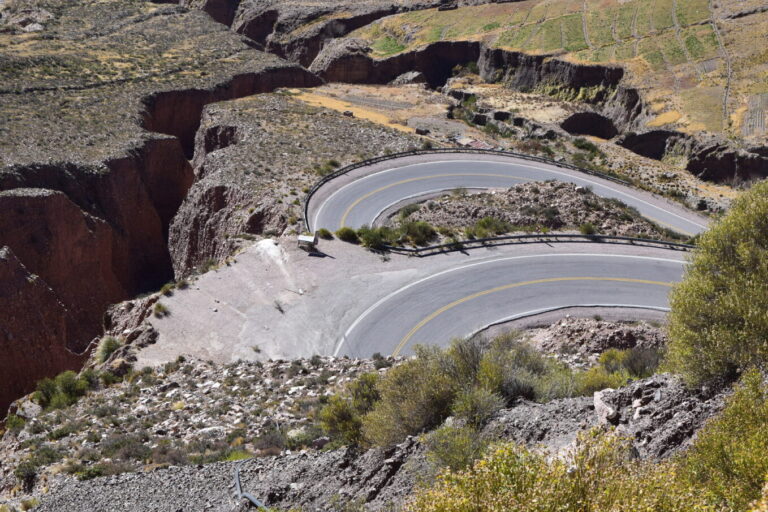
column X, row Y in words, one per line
column 84, row 237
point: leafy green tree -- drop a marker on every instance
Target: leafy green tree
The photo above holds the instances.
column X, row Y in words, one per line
column 718, row 325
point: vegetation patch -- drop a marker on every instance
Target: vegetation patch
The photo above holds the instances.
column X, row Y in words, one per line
column 724, row 470
column 718, row 327
column 471, row 381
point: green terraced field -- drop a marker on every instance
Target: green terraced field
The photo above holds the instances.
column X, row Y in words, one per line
column 668, row 46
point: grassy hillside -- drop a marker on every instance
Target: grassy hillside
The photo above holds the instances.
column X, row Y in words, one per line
column 697, row 63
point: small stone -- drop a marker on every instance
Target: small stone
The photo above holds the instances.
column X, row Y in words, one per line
column 605, row 413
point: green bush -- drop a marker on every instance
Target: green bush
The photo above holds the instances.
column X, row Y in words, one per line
column 14, row 423
column 587, row 229
column 419, row 233
column 324, row 234
column 408, row 210
column 160, row 310
column 415, row 396
column 517, row 370
column 491, row 226
column 341, row 417
column 126, row 447
column 724, row 470
column 454, row 447
column 106, row 348
column 642, row 362
column 347, row 234
column 69, row 384
column 637, row 362
column 613, row 359
column 472, row 380
column 717, row 324
column 598, row 378
column 376, row 238
column 730, row 456
column 26, row 473
column 585, row 145
column 69, row 428
column 476, row 406
column 46, row 389
column 340, row 421
column 101, row 469
column 467, row 379
column 64, row 390
column 598, row 475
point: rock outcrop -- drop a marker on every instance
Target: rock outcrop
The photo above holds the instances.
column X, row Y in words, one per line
column 222, row 11
column 711, row 159
column 74, row 227
column 251, row 169
column 33, row 332
column 298, row 30
column 93, row 165
column 178, row 112
column 660, row 413
column 526, row 72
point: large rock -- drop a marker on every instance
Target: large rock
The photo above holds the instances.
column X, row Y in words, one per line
column 710, row 158
column 660, row 413
column 348, row 60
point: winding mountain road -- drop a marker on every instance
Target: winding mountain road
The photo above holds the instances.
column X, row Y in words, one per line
column 473, row 293
column 361, row 196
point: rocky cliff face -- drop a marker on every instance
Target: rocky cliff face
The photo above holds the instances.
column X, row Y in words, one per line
column 253, row 158
column 710, row 159
column 178, row 113
column 93, row 236
column 526, row 72
column 34, row 331
column 97, row 234
column 298, row 30
column 92, row 174
column 222, row 11
column 348, row 60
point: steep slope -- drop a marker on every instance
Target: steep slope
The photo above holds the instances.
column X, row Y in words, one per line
column 88, row 191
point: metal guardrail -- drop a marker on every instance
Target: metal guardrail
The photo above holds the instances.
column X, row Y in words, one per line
column 245, row 495
column 511, row 239
column 349, row 168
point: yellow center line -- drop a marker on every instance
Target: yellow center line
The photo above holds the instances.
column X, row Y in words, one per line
column 410, row 180
column 455, row 303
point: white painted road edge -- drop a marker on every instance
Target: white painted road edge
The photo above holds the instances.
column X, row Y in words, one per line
column 340, row 343
column 535, row 312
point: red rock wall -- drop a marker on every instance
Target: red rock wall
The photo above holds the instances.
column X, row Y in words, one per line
column 33, row 329
column 93, row 239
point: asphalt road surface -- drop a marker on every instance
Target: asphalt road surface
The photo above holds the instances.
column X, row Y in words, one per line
column 462, row 300
column 363, row 195
column 470, row 296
